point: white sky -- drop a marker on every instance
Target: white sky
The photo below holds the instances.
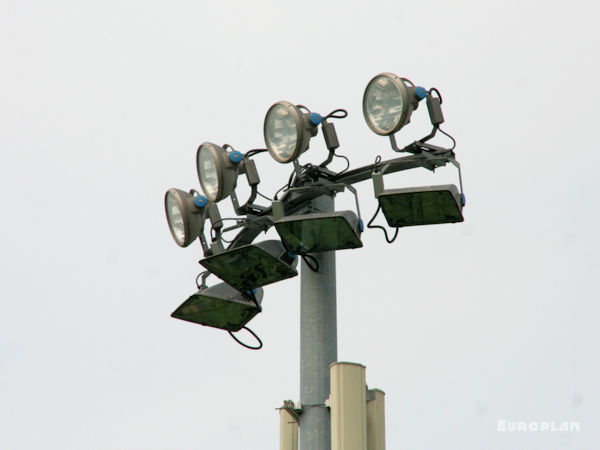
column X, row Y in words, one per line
column 102, row 107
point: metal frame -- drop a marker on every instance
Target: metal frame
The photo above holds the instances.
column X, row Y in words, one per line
column 299, row 198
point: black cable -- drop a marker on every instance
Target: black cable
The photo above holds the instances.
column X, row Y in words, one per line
column 226, row 218
column 264, row 196
column 226, row 240
column 306, row 257
column 389, row 241
column 254, row 151
column 438, row 94
column 334, row 114
column 303, row 107
column 347, row 162
column 453, row 140
column 288, row 185
column 260, row 344
column 212, row 227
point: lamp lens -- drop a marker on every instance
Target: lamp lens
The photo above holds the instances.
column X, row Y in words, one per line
column 207, row 171
column 281, row 134
column 175, row 216
column 383, row 104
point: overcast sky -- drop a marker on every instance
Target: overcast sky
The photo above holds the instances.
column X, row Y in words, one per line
column 102, row 108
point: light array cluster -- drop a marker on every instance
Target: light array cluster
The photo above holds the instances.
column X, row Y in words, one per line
column 245, row 267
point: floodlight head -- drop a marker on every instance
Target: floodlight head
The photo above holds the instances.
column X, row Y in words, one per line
column 320, row 232
column 389, row 101
column 184, row 215
column 253, row 265
column 427, row 205
column 217, row 170
column 220, row 306
column 288, row 131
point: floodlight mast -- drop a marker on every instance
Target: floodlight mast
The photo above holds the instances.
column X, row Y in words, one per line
column 314, row 189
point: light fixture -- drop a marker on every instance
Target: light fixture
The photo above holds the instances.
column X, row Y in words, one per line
column 184, row 215
column 217, row 170
column 288, row 130
column 422, row 205
column 253, row 265
column 220, row 306
column 320, row 232
column 388, row 102
column 315, row 231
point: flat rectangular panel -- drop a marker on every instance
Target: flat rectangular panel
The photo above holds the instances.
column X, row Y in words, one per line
column 226, row 314
column 319, row 232
column 427, row 205
column 248, row 267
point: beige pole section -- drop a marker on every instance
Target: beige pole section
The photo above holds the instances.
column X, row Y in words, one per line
column 376, row 420
column 348, row 405
column 288, row 427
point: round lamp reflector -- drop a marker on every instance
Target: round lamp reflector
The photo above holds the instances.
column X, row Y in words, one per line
column 283, row 131
column 175, row 217
column 208, row 172
column 385, row 104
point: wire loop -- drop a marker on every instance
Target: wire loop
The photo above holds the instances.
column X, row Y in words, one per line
column 258, row 347
column 437, row 93
column 389, row 241
column 339, row 113
column 305, row 258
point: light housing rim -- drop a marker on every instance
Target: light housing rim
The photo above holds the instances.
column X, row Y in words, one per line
column 407, row 104
column 185, row 202
column 225, row 168
column 302, row 132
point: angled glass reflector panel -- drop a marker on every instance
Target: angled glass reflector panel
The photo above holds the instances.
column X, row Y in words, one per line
column 319, row 232
column 253, row 265
column 421, row 205
column 219, row 306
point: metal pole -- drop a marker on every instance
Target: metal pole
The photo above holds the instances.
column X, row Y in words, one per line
column 318, row 343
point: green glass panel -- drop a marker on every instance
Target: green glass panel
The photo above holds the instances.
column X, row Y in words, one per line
column 216, row 312
column 248, row 267
column 420, row 208
column 317, row 234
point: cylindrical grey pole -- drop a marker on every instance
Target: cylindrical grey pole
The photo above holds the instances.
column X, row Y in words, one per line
column 318, row 343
